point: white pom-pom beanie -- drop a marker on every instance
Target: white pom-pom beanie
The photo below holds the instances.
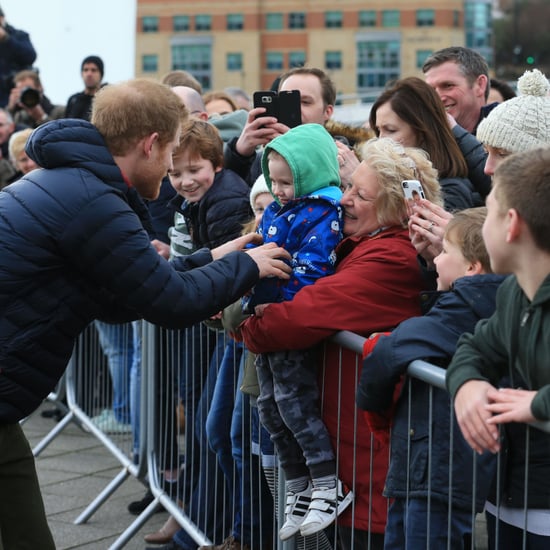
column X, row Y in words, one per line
column 521, row 123
column 260, row 186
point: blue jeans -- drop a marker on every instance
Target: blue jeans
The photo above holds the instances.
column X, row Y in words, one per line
column 228, row 428
column 135, row 387
column 254, row 518
column 118, row 346
column 207, row 506
column 407, row 526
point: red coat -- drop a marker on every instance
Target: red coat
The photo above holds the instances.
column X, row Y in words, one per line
column 375, row 287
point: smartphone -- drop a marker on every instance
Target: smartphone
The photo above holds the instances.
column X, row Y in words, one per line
column 412, row 189
column 285, row 106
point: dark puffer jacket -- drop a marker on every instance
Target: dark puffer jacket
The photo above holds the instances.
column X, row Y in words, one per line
column 74, row 249
column 421, row 447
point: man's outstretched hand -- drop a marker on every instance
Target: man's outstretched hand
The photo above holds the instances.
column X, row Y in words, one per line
column 272, row 260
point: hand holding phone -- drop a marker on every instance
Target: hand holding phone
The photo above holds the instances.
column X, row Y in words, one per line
column 285, row 106
column 412, row 189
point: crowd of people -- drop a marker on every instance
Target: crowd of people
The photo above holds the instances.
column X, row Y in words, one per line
column 200, row 214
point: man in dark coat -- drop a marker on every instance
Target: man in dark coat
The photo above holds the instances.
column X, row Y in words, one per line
column 16, row 53
column 74, row 248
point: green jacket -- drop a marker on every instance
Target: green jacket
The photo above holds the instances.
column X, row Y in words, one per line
column 513, row 343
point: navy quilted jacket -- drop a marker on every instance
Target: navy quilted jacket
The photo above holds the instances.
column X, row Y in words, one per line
column 72, row 248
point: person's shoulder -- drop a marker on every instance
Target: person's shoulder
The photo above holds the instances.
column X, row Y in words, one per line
column 228, row 182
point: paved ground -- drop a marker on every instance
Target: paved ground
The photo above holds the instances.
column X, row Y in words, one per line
column 73, row 470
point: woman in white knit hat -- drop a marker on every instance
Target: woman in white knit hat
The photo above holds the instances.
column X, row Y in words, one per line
column 519, row 124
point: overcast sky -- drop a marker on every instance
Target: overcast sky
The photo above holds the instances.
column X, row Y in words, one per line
column 64, row 32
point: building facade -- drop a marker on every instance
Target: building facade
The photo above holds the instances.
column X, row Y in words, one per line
column 248, row 43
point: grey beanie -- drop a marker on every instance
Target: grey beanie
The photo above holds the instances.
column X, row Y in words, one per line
column 521, row 123
column 259, row 187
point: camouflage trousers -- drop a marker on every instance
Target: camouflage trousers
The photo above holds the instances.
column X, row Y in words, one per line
column 288, row 406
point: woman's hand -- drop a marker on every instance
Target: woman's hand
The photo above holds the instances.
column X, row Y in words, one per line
column 427, row 224
column 347, row 161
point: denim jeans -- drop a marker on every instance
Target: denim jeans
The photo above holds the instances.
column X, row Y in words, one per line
column 207, row 506
column 118, row 346
column 407, row 526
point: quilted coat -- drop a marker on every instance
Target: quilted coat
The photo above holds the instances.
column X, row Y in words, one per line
column 73, row 248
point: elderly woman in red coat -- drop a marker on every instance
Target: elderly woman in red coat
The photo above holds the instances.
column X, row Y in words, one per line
column 376, row 286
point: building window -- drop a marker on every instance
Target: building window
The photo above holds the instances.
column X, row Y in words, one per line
column 150, row 23
column 367, row 18
column 421, row 56
column 333, row 60
column 378, row 62
column 296, row 59
column 196, row 59
column 391, row 18
column 235, row 22
column 274, row 61
column 274, row 21
column 456, row 18
column 203, row 22
column 333, row 19
column 425, row 18
column 234, row 61
column 297, row 20
column 149, row 63
column 180, row 23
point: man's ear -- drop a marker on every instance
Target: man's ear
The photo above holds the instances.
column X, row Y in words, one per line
column 148, row 142
column 482, row 82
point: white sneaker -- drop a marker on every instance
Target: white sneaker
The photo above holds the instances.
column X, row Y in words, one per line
column 295, row 511
column 325, row 506
column 108, row 424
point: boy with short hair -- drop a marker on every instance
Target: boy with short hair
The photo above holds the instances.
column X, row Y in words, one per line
column 302, row 174
column 514, row 343
column 213, row 202
column 466, row 293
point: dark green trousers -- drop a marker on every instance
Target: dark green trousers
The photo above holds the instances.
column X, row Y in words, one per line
column 23, row 524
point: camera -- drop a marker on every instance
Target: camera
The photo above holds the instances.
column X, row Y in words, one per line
column 30, row 97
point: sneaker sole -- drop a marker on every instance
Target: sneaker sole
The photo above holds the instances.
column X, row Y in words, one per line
column 311, row 529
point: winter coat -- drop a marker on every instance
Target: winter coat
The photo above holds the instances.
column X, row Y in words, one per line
column 310, row 226
column 220, row 214
column 375, row 287
column 432, row 338
column 73, row 249
column 514, row 345
column 16, row 54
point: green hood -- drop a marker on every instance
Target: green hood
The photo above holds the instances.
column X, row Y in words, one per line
column 312, row 155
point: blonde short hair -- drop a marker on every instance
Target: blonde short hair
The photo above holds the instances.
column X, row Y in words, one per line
column 17, row 143
column 394, row 163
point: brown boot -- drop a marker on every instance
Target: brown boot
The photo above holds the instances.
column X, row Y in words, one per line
column 230, row 543
column 165, row 533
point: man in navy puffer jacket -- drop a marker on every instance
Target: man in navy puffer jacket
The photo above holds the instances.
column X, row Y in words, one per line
column 74, row 248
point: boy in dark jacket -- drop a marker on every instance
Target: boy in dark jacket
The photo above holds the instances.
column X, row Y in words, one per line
column 514, row 344
column 418, row 476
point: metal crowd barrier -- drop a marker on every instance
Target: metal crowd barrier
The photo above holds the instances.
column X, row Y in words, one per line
column 185, row 456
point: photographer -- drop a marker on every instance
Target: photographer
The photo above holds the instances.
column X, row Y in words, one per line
column 16, row 53
column 28, row 104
